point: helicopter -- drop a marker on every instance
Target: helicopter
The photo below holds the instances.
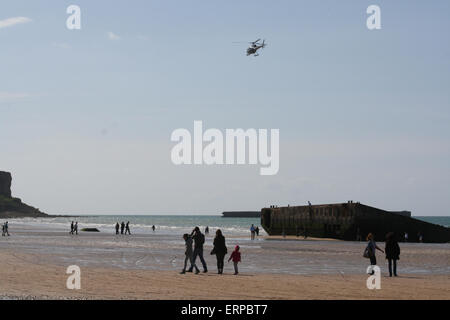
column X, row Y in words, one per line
column 255, row 46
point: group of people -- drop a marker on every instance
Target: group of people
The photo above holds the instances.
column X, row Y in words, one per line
column 419, row 236
column 5, row 231
column 197, row 239
column 391, row 250
column 254, row 231
column 123, row 227
column 74, row 228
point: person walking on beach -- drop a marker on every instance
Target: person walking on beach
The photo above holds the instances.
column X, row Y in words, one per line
column 117, row 227
column 199, row 240
column 236, row 257
column 71, row 228
column 75, row 228
column 257, row 231
column 6, row 229
column 122, row 227
column 220, row 250
column 392, row 252
column 207, row 230
column 127, row 228
column 153, row 228
column 252, row 232
column 188, row 254
column 371, row 248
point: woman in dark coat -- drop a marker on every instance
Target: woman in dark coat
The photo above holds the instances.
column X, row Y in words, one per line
column 220, row 250
column 392, row 250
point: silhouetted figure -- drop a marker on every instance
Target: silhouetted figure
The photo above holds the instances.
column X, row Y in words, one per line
column 199, row 240
column 220, row 250
column 75, row 227
column 5, row 231
column 257, row 231
column 117, row 227
column 207, row 230
column 153, row 228
column 252, row 232
column 71, row 228
column 392, row 252
column 236, row 257
column 372, row 247
column 127, row 228
column 122, row 227
column 188, row 254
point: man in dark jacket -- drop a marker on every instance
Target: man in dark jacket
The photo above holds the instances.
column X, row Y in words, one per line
column 199, row 240
column 392, row 250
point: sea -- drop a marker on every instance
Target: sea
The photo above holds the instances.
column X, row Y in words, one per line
column 167, row 224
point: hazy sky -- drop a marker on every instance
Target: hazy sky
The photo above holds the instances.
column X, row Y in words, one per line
column 86, row 115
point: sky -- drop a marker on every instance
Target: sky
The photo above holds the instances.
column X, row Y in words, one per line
column 86, row 115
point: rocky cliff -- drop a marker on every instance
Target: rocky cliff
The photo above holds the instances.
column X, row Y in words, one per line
column 5, row 184
column 14, row 207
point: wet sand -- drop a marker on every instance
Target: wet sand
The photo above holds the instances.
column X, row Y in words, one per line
column 33, row 265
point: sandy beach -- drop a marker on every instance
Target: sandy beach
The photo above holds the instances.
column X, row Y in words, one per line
column 33, row 265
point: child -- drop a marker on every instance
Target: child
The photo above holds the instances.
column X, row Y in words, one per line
column 236, row 257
